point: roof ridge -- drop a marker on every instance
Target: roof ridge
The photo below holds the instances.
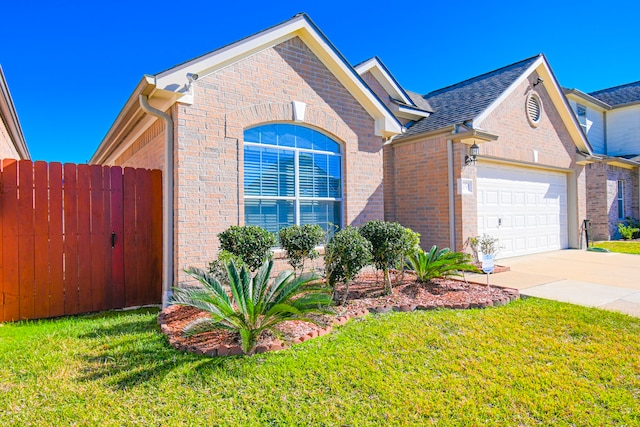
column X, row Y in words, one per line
column 481, row 76
column 613, row 87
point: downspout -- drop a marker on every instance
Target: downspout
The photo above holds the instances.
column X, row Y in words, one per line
column 167, row 195
column 452, row 215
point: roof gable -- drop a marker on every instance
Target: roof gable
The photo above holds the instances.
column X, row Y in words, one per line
column 464, row 101
column 178, row 79
column 471, row 101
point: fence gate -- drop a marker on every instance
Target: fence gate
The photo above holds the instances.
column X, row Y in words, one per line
column 78, row 238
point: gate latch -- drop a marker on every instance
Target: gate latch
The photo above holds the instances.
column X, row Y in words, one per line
column 113, row 239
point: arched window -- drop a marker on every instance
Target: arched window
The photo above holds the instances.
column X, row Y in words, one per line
column 292, row 175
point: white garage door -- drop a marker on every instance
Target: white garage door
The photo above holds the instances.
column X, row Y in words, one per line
column 526, row 209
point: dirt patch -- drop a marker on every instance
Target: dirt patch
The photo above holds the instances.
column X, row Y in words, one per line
column 366, row 294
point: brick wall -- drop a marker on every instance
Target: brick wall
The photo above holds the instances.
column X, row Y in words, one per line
column 147, row 151
column 597, row 210
column 417, row 188
column 259, row 89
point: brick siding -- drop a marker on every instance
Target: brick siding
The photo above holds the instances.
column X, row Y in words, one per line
column 259, row 89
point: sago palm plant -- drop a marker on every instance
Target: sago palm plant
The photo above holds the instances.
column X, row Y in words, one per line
column 255, row 304
column 439, row 263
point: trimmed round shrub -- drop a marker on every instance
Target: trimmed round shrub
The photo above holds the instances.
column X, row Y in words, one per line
column 345, row 255
column 300, row 241
column 250, row 242
column 391, row 242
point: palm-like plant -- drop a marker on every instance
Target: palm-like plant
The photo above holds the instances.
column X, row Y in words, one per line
column 439, row 263
column 254, row 305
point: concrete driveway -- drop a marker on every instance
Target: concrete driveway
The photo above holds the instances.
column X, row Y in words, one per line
column 610, row 281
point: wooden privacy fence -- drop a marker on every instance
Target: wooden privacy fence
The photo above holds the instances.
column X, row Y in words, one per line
column 78, row 238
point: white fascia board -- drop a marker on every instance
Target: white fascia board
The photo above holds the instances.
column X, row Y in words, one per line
column 176, row 79
column 557, row 95
column 378, row 71
column 409, row 113
column 583, row 98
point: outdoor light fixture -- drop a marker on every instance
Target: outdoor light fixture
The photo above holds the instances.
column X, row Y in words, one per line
column 474, row 150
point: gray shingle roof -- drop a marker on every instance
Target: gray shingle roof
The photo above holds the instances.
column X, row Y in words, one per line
column 465, row 100
column 619, row 95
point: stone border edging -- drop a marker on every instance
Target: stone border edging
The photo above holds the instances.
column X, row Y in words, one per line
column 236, row 350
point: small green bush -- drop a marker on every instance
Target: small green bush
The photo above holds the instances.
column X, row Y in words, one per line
column 391, row 242
column 299, row 242
column 627, row 231
column 345, row 255
column 439, row 263
column 251, row 243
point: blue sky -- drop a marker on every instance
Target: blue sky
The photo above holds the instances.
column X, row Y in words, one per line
column 71, row 65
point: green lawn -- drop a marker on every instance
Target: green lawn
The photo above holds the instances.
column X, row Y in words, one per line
column 620, row 246
column 533, row 362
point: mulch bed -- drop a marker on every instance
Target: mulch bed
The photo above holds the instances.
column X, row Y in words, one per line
column 366, row 295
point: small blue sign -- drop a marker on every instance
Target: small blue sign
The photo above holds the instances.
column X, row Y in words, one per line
column 488, row 264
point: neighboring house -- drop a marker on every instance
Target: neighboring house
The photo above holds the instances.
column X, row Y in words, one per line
column 275, row 129
column 12, row 143
column 527, row 187
column 611, row 120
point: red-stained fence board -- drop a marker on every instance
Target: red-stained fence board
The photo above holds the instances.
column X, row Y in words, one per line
column 98, row 243
column 84, row 240
column 56, row 242
column 26, row 253
column 41, row 239
column 70, row 244
column 9, row 205
column 143, row 236
column 129, row 238
column 106, row 238
column 156, row 234
column 117, row 228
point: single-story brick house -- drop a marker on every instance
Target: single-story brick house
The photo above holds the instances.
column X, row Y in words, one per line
column 12, row 142
column 274, row 129
column 278, row 128
column 611, row 120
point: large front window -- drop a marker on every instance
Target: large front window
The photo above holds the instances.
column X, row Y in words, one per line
column 620, row 199
column 292, row 175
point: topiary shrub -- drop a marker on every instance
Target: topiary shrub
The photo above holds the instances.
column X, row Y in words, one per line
column 300, row 241
column 251, row 243
column 345, row 255
column 391, row 242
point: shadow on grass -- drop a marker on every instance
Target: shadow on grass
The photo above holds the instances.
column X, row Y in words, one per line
column 133, row 351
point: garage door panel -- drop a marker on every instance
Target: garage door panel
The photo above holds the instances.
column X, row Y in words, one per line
column 525, row 208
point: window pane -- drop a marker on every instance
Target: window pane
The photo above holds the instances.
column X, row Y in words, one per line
column 252, row 170
column 286, row 135
column 304, row 137
column 269, row 214
column 252, row 135
column 306, row 175
column 323, row 213
column 269, row 173
column 320, row 168
column 268, row 135
column 335, row 174
column 287, row 172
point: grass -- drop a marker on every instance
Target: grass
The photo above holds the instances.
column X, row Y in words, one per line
column 620, row 246
column 533, row 362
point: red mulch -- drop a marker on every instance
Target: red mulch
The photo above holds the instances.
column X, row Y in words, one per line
column 365, row 293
